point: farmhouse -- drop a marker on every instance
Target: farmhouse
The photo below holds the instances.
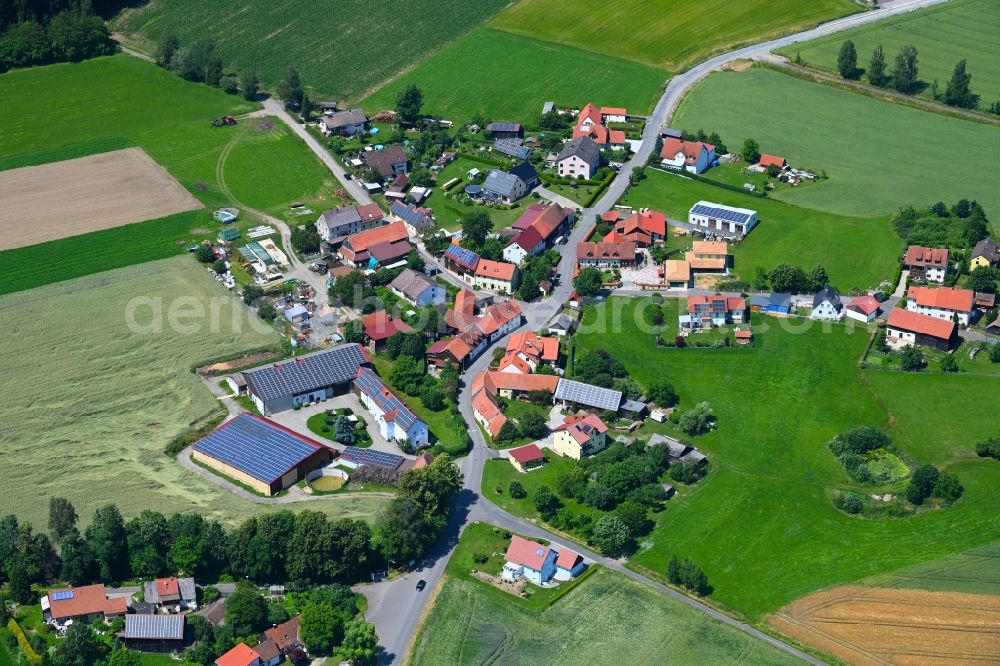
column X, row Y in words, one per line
column 388, row 162
column 942, row 302
column 393, row 239
column 677, row 275
column 464, row 311
column 260, row 453
column 345, row 123
column 985, row 254
column 678, row 451
column 643, row 228
column 178, row 594
column 336, row 224
column 864, row 309
column 579, row 158
column 773, row 304
column 613, row 114
column 286, row 635
column 772, row 160
column 513, row 385
column 586, row 396
column 527, row 350
column 827, row 305
column 461, row 261
column 708, row 257
column 476, row 333
column 605, row 255
column 416, row 220
column 498, row 276
column 727, row 220
column 528, row 242
column 509, row 186
column 539, row 564
column 707, row 311
column 539, row 226
column 911, row 328
column 487, row 413
column 395, row 419
column 87, row 603
column 693, row 156
column 580, row 436
column 380, row 326
column 153, row 633
column 308, row 378
column 526, row 457
column 241, row 655
column 417, row 289
column 505, row 130
column 590, row 124
column 926, row 264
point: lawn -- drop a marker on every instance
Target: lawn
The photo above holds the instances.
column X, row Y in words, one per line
column 673, row 35
column 341, row 48
column 449, row 213
column 857, row 252
column 509, row 77
column 943, row 35
column 762, row 525
column 98, row 399
column 871, row 171
column 974, row 571
column 606, row 619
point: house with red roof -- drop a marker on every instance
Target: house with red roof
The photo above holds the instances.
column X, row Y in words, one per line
column 772, row 160
column 942, row 302
column 88, row 602
column 614, row 114
column 487, row 412
column 380, row 326
column 579, row 436
column 539, row 563
column 241, row 655
column 605, row 254
column 176, row 594
column 392, row 239
column 863, row 308
column 590, row 123
column 644, row 228
column 527, row 350
column 494, row 323
column 526, row 457
column 926, row 264
column 499, row 276
column 912, row 328
column 692, row 156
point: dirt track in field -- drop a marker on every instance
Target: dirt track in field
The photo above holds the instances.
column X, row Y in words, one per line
column 877, row 625
column 72, row 197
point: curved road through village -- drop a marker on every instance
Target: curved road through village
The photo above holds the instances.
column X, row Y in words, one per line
column 395, row 607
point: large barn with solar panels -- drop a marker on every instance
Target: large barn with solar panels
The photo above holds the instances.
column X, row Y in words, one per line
column 260, row 453
column 723, row 220
column 280, row 386
column 395, row 419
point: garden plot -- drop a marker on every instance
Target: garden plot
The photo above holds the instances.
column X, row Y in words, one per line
column 72, row 197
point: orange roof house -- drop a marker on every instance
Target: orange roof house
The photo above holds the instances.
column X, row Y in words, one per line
column 534, row 345
column 526, row 553
column 495, row 270
column 906, row 327
column 487, row 412
column 676, row 273
column 380, row 326
column 285, row 634
column 942, row 298
column 772, row 160
column 464, row 312
column 241, row 655
column 918, row 255
column 692, row 155
column 589, row 115
column 708, row 256
column 643, row 228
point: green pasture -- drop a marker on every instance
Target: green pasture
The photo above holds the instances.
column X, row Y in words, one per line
column 974, row 571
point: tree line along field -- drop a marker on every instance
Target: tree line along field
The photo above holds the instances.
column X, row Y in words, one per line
column 878, row 156
column 473, row 623
column 509, row 77
column 943, row 35
column 670, row 34
column 856, row 252
column 342, row 48
column 97, row 402
column 767, row 503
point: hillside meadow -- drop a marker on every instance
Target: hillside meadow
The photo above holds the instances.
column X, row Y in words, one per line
column 509, row 77
column 341, row 48
column 97, row 402
column 878, row 156
column 762, row 524
column 670, row 34
column 943, row 35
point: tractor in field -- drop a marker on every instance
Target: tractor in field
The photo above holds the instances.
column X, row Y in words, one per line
column 224, row 121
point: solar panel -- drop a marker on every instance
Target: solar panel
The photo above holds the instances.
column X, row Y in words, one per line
column 589, row 395
column 372, row 457
column 306, row 373
column 462, row 255
column 721, row 213
column 256, row 447
column 62, row 595
column 370, row 383
column 154, row 626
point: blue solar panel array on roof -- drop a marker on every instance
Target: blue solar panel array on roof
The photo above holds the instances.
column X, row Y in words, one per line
column 371, row 385
column 256, row 447
column 409, row 214
column 503, row 127
column 306, row 373
column 154, row 627
column 461, row 255
column 588, row 394
column 372, row 457
column 721, row 213
column 62, row 595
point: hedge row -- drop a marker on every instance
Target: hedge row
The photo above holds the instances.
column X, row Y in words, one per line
column 566, row 589
column 600, row 190
column 555, row 180
column 22, row 641
column 197, row 430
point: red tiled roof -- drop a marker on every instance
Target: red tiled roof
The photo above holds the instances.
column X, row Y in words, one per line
column 532, row 344
column 589, row 112
column 284, row 634
column 915, row 322
column 918, row 255
column 526, row 453
column 498, row 315
column 599, row 133
column 611, row 215
column 743, row 335
column 691, row 149
column 567, row 559
column 516, row 361
column 615, row 237
column 527, row 240
column 526, row 553
column 370, row 212
column 864, row 304
column 390, row 233
column 379, row 325
column 509, row 381
column 730, row 302
column 581, row 428
column 423, row 460
column 86, row 600
column 616, row 137
column 945, row 298
column 241, row 655
column 620, row 251
column 485, row 405
column 768, row 160
column 497, row 270
column 166, row 587
column 529, row 216
column 613, row 111
column 549, row 220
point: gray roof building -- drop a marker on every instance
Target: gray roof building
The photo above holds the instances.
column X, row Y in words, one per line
column 413, row 286
column 337, row 121
column 275, row 387
column 583, row 147
column 526, row 172
column 988, row 250
column 513, row 147
column 827, row 294
column 154, row 627
column 588, row 395
column 388, row 162
column 500, row 183
column 170, row 591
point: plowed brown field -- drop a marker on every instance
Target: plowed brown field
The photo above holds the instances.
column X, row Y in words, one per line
column 874, row 625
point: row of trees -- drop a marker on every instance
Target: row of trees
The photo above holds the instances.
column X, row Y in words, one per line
column 56, row 31
column 786, row 278
column 961, row 226
column 200, row 62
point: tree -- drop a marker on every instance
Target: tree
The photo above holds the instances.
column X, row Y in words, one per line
column 124, row 657
column 249, row 83
column 62, row 517
column 948, row 364
column 983, row 279
column 76, row 36
column 409, row 101
column 205, row 254
column 246, row 610
column 289, row 87
column 876, row 67
column 546, row 502
column 852, row 503
column 958, row 93
column 354, row 331
column 407, row 375
column 817, row 278
column 360, row 643
column 321, row 627
column 662, row 393
column 847, row 60
column 694, row 579
column 267, row 312
column 476, row 226
column 107, row 538
column 674, row 570
column 610, row 535
column 750, row 152
column 219, row 266
column 516, row 490
column 634, row 516
column 149, row 541
column 165, row 50
column 432, row 487
column 697, row 420
column 305, row 239
column 401, row 534
column 432, row 396
column 229, row 84
column 19, row 581
column 78, row 562
column 587, row 283
column 911, row 358
column 788, row 278
column 922, row 484
column 24, row 45
column 450, row 381
column 343, row 431
column 81, row 646
column 305, row 110
column 184, row 65
column 904, row 75
column 251, row 293
column 353, row 290
column 532, row 425
column 947, row 487
column 508, row 433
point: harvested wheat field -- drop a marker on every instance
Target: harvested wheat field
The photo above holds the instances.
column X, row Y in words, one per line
column 877, row 625
column 72, row 197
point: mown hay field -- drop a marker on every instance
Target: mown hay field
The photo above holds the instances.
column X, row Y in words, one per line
column 671, row 34
column 473, row 623
column 865, row 625
column 92, row 404
column 342, row 48
column 975, row 571
column 509, row 77
column 879, row 156
column 943, row 35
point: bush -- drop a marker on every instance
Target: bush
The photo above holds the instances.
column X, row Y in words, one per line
column 922, row 484
column 480, row 558
column 852, row 503
column 989, row 448
column 516, row 490
column 698, row 420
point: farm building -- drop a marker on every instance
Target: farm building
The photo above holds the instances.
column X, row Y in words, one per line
column 336, row 224
column 260, row 453
column 926, row 264
column 692, row 156
column 772, row 160
column 395, row 419
column 726, row 220
column 171, row 593
column 355, row 457
column 526, row 457
column 644, row 228
column 827, row 305
column 942, row 303
column 527, row 350
column 356, row 250
column 379, row 326
column 241, row 655
column 505, row 130
column 587, row 396
column 153, row 633
column 911, row 328
column 228, row 235
column 772, row 304
column 512, row 147
column 88, row 603
column 316, row 376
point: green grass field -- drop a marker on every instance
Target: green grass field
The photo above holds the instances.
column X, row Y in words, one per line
column 943, row 35
column 879, row 156
column 856, row 252
column 449, row 213
column 975, row 571
column 672, row 35
column 762, row 524
column 342, row 48
column 509, row 77
column 96, row 402
column 607, row 617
